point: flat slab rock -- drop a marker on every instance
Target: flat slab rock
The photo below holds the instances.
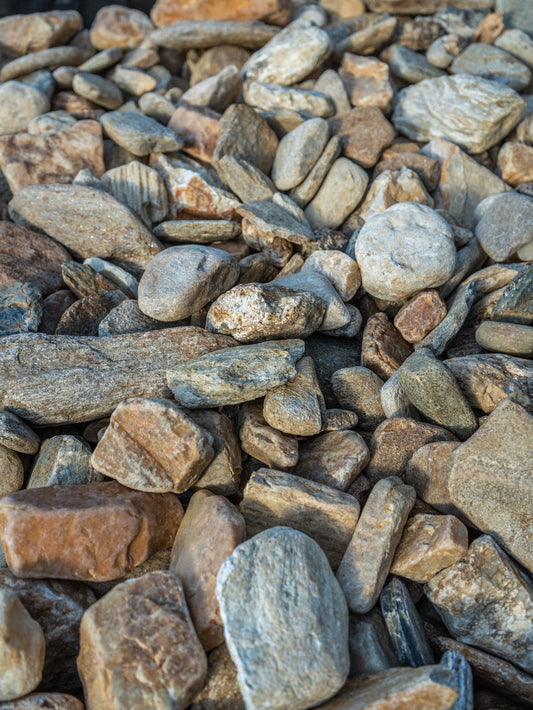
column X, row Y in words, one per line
column 49, row 379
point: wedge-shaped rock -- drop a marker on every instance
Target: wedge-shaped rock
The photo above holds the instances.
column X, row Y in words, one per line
column 485, row 601
column 139, row 134
column 93, row 532
column 49, row 379
column 63, row 460
column 335, row 458
column 337, row 314
column 87, row 221
column 210, row 530
column 221, row 689
column 268, row 216
column 235, row 375
column 223, row 473
column 152, row 445
column 327, row 515
column 138, row 647
column 273, row 615
column 265, row 443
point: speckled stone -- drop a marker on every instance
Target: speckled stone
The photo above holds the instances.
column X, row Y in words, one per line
column 63, row 460
column 16, row 435
column 139, row 134
column 504, row 224
column 20, row 308
column 334, row 458
column 298, row 152
column 359, row 389
column 262, row 441
column 383, row 348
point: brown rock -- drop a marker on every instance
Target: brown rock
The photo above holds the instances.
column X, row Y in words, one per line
column 222, row 475
column 406, row 7
column 76, row 105
column 84, row 281
column 117, row 26
column 429, row 543
column 343, row 272
column 266, row 444
column 366, row 80
column 395, row 441
column 383, row 349
column 44, row 701
column 211, row 529
column 24, row 34
column 165, row 12
column 199, row 128
column 213, row 60
column 138, row 647
column 152, row 445
column 45, row 59
column 427, row 168
column 26, row 255
column 339, row 420
column 490, row 28
column 221, row 690
column 327, row 515
column 391, row 187
column 426, row 472
column 364, row 132
column 515, row 163
column 106, row 529
column 359, row 389
column 420, row 315
column 335, row 458
column 83, row 317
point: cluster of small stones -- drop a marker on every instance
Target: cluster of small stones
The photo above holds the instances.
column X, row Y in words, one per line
column 266, row 319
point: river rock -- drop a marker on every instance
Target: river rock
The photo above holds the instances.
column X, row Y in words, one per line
column 266, row 444
column 494, row 63
column 501, row 508
column 303, row 193
column 317, row 461
column 131, row 626
column 509, row 338
column 515, row 304
column 383, row 349
column 339, row 194
column 426, row 472
column 83, row 317
column 189, row 34
column 359, row 389
column 19, row 104
column 23, row 34
column 197, row 231
column 126, row 528
column 515, row 163
column 459, row 108
column 420, row 315
column 267, row 216
column 20, row 308
column 198, row 127
column 337, row 314
column 339, row 268
column 404, row 249
column 364, row 133
column 152, row 445
column 244, row 133
column 278, row 672
column 117, row 26
column 494, row 617
column 409, row 66
column 140, row 188
column 97, row 90
column 36, row 61
column 298, row 152
column 63, row 460
column 504, row 224
column 16, row 435
column 222, row 475
column 368, row 557
column 139, row 134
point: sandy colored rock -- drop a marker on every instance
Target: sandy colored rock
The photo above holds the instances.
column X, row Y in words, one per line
column 244, row 133
column 335, row 458
column 44, row 701
column 199, row 129
column 429, row 543
column 210, row 530
column 477, row 610
column 383, row 348
column 99, row 91
column 152, row 445
column 76, row 106
column 367, row 81
column 368, row 557
column 213, row 60
column 23, row 34
column 126, row 528
column 22, row 648
column 221, row 689
column 262, row 441
column 420, row 315
column 426, row 167
column 426, row 472
column 364, row 132
column 359, row 389
column 287, row 606
column 117, row 26
column 339, row 268
column 222, row 475
column 45, row 59
column 19, row 104
column 340, row 193
column 63, row 460
column 130, row 627
column 391, row 187
column 260, row 216
column 189, row 34
column 165, row 12
column 327, row 515
column 515, row 162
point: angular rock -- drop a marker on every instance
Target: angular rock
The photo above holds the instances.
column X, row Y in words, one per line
column 335, row 458
column 140, row 188
column 368, row 557
column 199, row 129
column 420, row 315
column 383, row 348
column 370, row 646
column 266, row 444
column 295, row 602
column 87, row 221
column 197, row 231
column 126, row 527
column 455, row 662
column 327, row 515
column 515, row 304
column 83, row 280
column 509, row 338
column 152, row 445
column 367, row 81
column 504, row 224
column 221, row 689
column 63, row 460
column 307, row 189
column 391, row 187
column 135, row 625
column 16, row 435
column 427, row 168
column 298, row 152
column 245, row 180
column 234, row 375
column 496, row 617
column 337, row 314
column 491, row 62
column 45, row 701
column 359, row 389
column 340, row 193
column 222, row 476
column 127, row 283
column 97, row 90
column 426, row 472
column 364, row 133
column 211, row 529
column 139, row 134
column 127, row 318
column 267, row 216
column 515, row 163
column 245, row 134
column 278, row 100
column 20, row 308
column 19, row 104
column 132, row 81
column 117, row 26
column 85, row 315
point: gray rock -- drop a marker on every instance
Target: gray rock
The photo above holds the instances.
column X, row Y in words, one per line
column 337, row 314
column 139, row 134
column 16, row 435
column 406, row 248
column 488, row 478
column 140, row 188
column 157, row 107
column 192, row 34
column 496, row 617
column 183, row 279
column 101, row 61
column 370, row 646
column 266, row 444
column 127, row 283
column 197, row 231
column 12, row 478
column 63, row 461
column 307, row 189
column 330, row 84
column 234, row 375
column 444, row 49
column 131, row 80
column 455, row 662
column 84, row 281
column 21, row 308
column 516, row 14
column 517, row 43
column 473, row 112
column 508, row 338
column 410, row 66
column 493, row 63
column 515, row 305
column 267, row 217
column 298, row 152
column 128, row 318
column 83, row 317
column 273, row 97
column 504, row 224
column 45, row 59
column 340, row 193
column 359, row 389
column 222, row 476
column 367, row 560
column 100, row 91
column 245, row 180
column 271, row 615
column 88, row 222
column 216, row 92
column 19, row 104
column 335, row 458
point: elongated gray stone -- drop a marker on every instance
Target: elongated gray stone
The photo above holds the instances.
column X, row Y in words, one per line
column 370, row 646
column 191, row 34
column 504, row 224
column 455, row 662
column 16, row 435
column 273, row 615
column 139, row 134
column 297, row 153
column 49, row 379
column 63, row 460
column 494, row 63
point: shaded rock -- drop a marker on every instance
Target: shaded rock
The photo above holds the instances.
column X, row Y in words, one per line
column 383, row 348
column 197, row 231
column 280, row 668
column 213, row 60
column 16, row 435
column 222, row 475
column 54, row 306
column 340, row 193
column 277, row 100
column 62, row 460
column 338, row 420
column 23, row 34
column 493, row 63
column 504, row 224
column 12, row 478
column 127, row 318
column 339, row 268
column 44, row 59
column 370, row 646
column 116, row 26
column 97, row 90
column 140, row 188
column 364, row 133
column 83, row 317
column 298, row 152
column 420, row 315
column 132, row 81
column 244, row 179
column 458, row 665
column 426, row 472
column 263, row 442
column 244, row 133
column 221, row 689
column 44, row 701
column 84, row 281
column 269, row 217
column 367, row 81
column 199, row 130
column 127, row 283
column 370, row 35
column 139, row 134
column 426, row 167
column 330, row 84
column 327, row 515
column 515, row 304
column 307, row 189
column 20, row 308
column 391, row 187
column 317, row 461
column 359, row 389
column 509, row 338
column 408, row 65
column 190, row 34
column 19, row 104
column 337, row 314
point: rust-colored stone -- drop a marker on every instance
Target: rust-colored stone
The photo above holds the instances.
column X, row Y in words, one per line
column 199, row 129
column 366, row 80
column 165, row 12
column 364, row 132
column 93, row 532
column 383, row 349
column 426, row 472
column 420, row 315
column 117, row 26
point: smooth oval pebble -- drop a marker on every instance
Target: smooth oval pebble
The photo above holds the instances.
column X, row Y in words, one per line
column 298, row 151
column 510, row 338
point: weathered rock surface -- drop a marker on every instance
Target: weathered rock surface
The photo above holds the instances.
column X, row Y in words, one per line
column 288, row 606
column 139, row 134
column 359, row 389
column 340, row 193
column 364, row 133
column 383, row 348
column 23, row 34
column 189, row 34
column 490, row 62
column 244, row 133
column 370, row 646
column 140, row 188
column 221, row 689
column 16, row 435
column 12, row 472
column 420, row 315
column 44, row 701
column 335, row 458
column 20, row 308
column 426, row 472
column 262, row 441
column 504, row 224
column 116, row 26
column 63, row 460
column 298, row 152
column 222, row 476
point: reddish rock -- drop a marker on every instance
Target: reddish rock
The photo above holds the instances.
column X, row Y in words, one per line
column 117, row 26
column 366, row 80
column 383, row 349
column 364, row 132
column 165, row 12
column 199, row 129
column 515, row 163
column 420, row 315
column 92, row 532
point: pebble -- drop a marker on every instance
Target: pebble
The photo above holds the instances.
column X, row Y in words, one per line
column 364, row 134
column 262, row 441
column 156, row 106
column 98, row 90
column 139, row 134
column 101, row 61
column 408, row 65
column 295, row 603
column 23, row 646
column 83, row 317
column 12, row 471
column 298, row 152
column 345, row 182
column 383, row 348
column 199, row 130
column 53, row 308
column 273, row 98
column 404, row 249
column 366, row 562
column 132, row 81
column 318, row 463
column 267, row 216
column 515, row 163
column 427, row 168
column 515, row 304
column 509, row 338
column 367, row 81
column 324, row 513
column 391, row 187
column 33, row 522
column 337, row 314
column 370, row 646
column 116, row 26
column 244, row 133
column 444, row 49
column 16, row 435
column 45, row 59
column 127, row 283
column 19, row 104
column 426, row 472
column 84, row 281
column 20, row 308
column 359, row 389
column 197, row 231
column 518, row 43
column 132, row 625
column 245, row 180
column 491, row 62
column 63, row 460
column 420, row 315
column 307, row 189
column 504, row 224
column 331, row 84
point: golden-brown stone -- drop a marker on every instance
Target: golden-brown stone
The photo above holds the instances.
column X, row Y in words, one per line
column 366, row 80
column 420, row 315
column 262, row 441
column 383, row 349
column 364, row 132
column 166, row 12
column 515, row 163
column 335, row 458
column 199, row 129
column 117, row 26
column 221, row 690
column 391, row 187
column 426, row 167
column 426, row 472
column 24, row 34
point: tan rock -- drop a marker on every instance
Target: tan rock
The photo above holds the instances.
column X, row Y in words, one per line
column 367, row 81
column 420, row 315
column 339, row 268
column 44, row 701
column 339, row 420
column 426, row 472
column 106, row 529
column 213, row 60
column 327, row 515
column 222, row 475
column 429, row 544
column 138, row 647
column 210, row 530
column 391, row 187
column 221, row 690
column 27, row 159
column 335, row 458
column 343, row 9
column 262, row 441
column 368, row 557
column 515, row 163
column 383, row 349
column 117, row 26
column 165, row 12
column 364, row 132
column 76, row 105
column 426, row 167
column 45, row 59
column 153, row 445
column 359, row 389
column 199, row 129
column 12, row 477
column 24, row 34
